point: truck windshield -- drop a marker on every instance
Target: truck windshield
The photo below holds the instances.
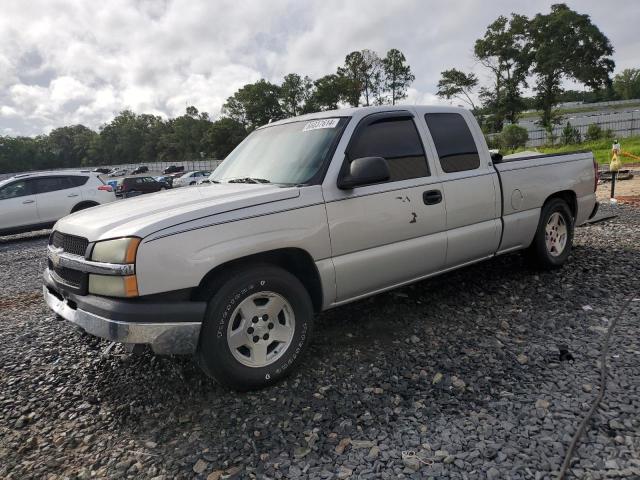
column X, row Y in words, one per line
column 290, row 154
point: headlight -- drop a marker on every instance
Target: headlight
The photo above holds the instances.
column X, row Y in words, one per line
column 113, row 286
column 120, row 250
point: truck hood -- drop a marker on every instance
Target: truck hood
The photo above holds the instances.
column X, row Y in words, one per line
column 145, row 214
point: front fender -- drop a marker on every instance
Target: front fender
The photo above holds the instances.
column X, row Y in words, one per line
column 181, row 260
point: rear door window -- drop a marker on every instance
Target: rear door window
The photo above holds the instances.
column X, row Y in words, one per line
column 454, row 143
column 51, row 184
column 395, row 139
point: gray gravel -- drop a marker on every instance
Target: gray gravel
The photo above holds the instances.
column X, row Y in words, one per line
column 462, row 370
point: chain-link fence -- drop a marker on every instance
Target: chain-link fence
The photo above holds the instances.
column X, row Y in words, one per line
column 614, row 129
column 620, row 128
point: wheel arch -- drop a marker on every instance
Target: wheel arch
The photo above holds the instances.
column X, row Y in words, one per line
column 296, row 261
column 84, row 204
column 568, row 196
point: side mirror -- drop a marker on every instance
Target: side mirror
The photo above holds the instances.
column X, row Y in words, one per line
column 496, row 157
column 364, row 171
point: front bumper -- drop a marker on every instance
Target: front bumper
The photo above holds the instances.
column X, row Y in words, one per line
column 167, row 327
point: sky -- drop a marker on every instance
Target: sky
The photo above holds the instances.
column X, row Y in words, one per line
column 73, row 61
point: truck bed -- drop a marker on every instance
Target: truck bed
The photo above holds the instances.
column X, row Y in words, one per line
column 526, row 182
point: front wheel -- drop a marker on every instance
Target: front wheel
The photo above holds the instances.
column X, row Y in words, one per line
column 256, row 327
column 554, row 237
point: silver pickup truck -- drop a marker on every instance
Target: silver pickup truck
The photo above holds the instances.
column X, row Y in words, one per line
column 308, row 214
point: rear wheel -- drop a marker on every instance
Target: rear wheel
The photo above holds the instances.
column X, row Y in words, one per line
column 82, row 206
column 554, row 237
column 256, row 327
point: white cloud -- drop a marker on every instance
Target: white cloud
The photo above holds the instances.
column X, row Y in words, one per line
column 78, row 61
column 6, row 111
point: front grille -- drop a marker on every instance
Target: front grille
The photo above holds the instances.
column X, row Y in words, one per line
column 69, row 243
column 72, row 278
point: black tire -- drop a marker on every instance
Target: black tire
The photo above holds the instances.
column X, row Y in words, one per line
column 539, row 253
column 82, row 206
column 214, row 354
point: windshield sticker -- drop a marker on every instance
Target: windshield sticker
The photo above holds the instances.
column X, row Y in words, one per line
column 324, row 123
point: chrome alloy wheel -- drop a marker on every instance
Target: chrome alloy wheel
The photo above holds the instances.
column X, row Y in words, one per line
column 261, row 329
column 555, row 234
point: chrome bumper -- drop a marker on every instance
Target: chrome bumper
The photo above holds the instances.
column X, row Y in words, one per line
column 163, row 338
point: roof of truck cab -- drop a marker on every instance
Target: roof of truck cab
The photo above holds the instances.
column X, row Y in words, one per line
column 359, row 112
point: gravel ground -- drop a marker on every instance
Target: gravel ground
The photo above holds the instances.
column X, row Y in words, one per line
column 463, row 370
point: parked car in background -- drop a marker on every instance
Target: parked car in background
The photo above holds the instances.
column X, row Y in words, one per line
column 340, row 206
column 166, row 179
column 118, row 172
column 139, row 185
column 33, row 201
column 140, row 169
column 173, row 169
column 190, row 178
column 103, row 170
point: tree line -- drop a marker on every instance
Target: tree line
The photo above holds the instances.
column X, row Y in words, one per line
column 128, row 138
column 542, row 52
column 363, row 79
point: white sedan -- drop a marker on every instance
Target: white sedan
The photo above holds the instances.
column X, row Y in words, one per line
column 190, row 178
column 33, row 201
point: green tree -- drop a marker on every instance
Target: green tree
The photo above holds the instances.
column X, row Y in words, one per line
column 223, row 136
column 328, row 92
column 363, row 76
column 567, row 45
column 505, row 51
column 594, row 132
column 21, row 154
column 129, row 138
column 254, row 105
column 295, row 92
column 184, row 137
column 454, row 83
column 570, row 135
column 514, row 136
column 627, row 83
column 70, row 146
column 397, row 75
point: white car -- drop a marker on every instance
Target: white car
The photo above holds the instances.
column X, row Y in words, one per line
column 33, row 201
column 190, row 178
column 118, row 172
column 307, row 214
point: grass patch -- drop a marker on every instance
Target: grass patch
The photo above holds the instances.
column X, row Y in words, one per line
column 601, row 149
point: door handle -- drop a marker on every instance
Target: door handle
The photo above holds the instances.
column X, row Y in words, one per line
column 28, row 201
column 431, row 197
column 72, row 195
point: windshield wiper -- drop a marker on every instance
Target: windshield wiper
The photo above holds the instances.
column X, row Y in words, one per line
column 248, row 180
